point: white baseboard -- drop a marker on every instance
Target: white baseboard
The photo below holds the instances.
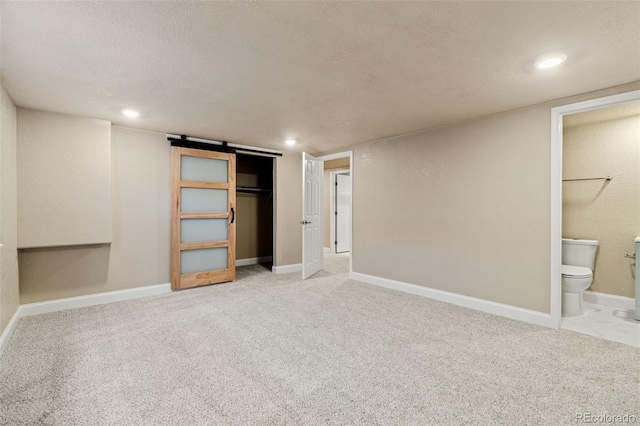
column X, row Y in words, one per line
column 253, row 260
column 482, row 305
column 285, row 269
column 93, row 299
column 326, row 250
column 619, row 302
column 78, row 302
column 8, row 331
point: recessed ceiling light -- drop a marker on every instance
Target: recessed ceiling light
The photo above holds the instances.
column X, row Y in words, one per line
column 130, row 113
column 290, row 142
column 550, row 61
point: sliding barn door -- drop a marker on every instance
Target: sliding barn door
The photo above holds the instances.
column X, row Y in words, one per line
column 203, row 243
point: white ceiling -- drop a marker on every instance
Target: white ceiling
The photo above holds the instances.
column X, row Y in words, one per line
column 330, row 74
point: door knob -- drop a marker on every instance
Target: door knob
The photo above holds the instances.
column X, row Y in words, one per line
column 305, row 222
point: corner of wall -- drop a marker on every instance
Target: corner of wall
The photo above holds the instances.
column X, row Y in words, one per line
column 9, row 287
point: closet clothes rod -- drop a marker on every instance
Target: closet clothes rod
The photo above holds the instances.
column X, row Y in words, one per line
column 607, row 178
column 252, row 189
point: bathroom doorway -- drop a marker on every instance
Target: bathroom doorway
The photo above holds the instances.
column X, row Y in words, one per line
column 595, row 204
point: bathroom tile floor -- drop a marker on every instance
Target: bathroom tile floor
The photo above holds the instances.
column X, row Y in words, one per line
column 606, row 322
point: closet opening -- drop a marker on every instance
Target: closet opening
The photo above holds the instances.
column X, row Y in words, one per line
column 255, row 210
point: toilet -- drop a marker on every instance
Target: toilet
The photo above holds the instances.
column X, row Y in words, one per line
column 578, row 259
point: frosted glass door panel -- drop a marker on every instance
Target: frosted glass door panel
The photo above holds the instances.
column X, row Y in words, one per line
column 203, row 260
column 200, row 230
column 203, row 200
column 203, row 229
column 203, row 169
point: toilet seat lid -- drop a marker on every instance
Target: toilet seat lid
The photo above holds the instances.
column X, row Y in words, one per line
column 575, row 271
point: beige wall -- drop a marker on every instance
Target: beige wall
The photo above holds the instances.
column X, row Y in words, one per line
column 9, row 293
column 254, row 225
column 330, row 165
column 139, row 254
column 463, row 208
column 64, row 180
column 288, row 195
column 337, row 164
column 607, row 212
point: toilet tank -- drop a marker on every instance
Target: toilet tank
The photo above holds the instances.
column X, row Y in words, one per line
column 579, row 252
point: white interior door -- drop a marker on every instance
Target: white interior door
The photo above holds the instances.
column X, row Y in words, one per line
column 312, row 180
column 343, row 219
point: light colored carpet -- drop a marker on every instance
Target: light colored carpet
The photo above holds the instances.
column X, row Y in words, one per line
column 270, row 349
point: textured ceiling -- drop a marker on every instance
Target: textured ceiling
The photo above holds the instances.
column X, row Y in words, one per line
column 330, row 74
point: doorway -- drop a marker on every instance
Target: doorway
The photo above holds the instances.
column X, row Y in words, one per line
column 339, row 193
column 255, row 210
column 557, row 141
column 333, row 165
